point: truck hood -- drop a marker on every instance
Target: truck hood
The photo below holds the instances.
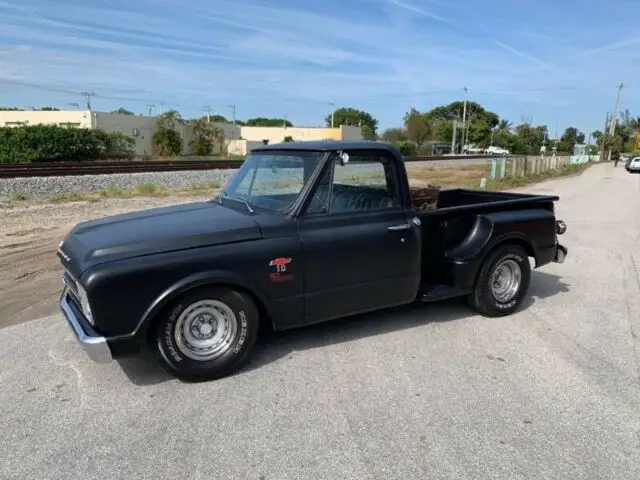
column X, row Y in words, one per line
column 154, row 230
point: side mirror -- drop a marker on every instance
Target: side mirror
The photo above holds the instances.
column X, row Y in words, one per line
column 344, row 157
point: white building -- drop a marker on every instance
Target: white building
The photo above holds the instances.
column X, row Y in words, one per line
column 239, row 139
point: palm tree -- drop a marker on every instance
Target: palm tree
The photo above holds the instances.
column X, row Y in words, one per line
column 504, row 126
column 170, row 119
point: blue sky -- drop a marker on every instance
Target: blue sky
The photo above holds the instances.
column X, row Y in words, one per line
column 554, row 62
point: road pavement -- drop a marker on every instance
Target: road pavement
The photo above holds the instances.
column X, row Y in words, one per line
column 418, row 392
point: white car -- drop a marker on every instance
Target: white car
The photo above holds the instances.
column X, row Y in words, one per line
column 633, row 165
column 493, row 150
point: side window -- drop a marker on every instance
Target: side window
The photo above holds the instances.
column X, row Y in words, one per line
column 365, row 183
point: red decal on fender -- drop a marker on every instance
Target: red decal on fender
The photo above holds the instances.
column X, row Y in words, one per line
column 279, row 262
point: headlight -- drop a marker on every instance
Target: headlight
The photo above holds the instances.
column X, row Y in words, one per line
column 84, row 303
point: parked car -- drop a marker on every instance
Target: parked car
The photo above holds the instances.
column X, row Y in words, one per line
column 633, row 165
column 493, row 150
column 304, row 232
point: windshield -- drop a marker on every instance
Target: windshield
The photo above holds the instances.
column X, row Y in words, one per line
column 272, row 180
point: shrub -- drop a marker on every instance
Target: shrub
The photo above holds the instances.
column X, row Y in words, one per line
column 51, row 143
column 408, row 148
column 167, row 142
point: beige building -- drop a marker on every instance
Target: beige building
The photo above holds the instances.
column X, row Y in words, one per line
column 239, row 140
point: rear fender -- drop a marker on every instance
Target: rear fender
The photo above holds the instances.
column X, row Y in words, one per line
column 531, row 228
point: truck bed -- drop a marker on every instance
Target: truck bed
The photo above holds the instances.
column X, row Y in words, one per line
column 432, row 199
column 450, row 220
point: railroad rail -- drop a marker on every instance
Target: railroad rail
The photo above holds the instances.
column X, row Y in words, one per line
column 55, row 169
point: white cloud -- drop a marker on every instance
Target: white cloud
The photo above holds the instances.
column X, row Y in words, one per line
column 396, row 54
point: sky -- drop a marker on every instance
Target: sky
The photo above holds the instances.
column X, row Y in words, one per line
column 554, row 62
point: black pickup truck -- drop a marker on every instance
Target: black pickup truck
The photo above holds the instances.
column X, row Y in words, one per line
column 302, row 233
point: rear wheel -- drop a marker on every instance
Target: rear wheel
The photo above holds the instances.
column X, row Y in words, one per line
column 207, row 333
column 503, row 282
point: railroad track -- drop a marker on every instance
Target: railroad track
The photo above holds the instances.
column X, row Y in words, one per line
column 56, row 169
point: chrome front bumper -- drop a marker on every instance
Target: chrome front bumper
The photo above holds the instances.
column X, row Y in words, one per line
column 95, row 346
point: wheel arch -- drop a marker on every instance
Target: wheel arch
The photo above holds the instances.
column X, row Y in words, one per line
column 203, row 279
column 511, row 239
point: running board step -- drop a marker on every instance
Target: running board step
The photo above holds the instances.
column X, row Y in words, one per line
column 433, row 293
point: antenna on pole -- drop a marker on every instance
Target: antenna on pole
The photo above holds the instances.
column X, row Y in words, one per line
column 207, row 110
column 87, row 98
column 233, row 113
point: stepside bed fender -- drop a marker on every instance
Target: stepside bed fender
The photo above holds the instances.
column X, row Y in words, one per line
column 212, row 277
column 525, row 227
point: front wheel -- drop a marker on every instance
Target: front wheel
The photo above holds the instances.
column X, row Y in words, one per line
column 503, row 282
column 207, row 333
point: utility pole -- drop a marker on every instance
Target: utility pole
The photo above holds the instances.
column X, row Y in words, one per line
column 604, row 136
column 87, row 98
column 332, row 111
column 464, row 117
column 207, row 110
column 284, row 121
column 162, row 104
column 614, row 117
column 453, row 137
column 233, row 113
column 151, row 107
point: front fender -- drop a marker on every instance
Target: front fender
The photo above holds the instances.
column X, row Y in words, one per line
column 212, row 277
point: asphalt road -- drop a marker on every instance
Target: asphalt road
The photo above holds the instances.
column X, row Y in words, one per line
column 418, row 392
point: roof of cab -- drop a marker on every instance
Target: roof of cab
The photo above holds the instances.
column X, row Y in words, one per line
column 330, row 145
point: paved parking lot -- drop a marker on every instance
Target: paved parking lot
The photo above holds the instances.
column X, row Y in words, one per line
column 417, row 392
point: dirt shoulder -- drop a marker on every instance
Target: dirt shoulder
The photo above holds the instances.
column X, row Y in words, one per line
column 29, row 236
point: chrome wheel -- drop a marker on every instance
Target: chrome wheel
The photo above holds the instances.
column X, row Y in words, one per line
column 505, row 281
column 205, row 330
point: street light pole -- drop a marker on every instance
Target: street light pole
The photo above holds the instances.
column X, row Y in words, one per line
column 332, row 111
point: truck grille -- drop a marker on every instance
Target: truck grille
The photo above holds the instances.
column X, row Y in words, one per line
column 71, row 282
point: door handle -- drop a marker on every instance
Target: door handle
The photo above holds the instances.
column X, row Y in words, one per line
column 395, row 228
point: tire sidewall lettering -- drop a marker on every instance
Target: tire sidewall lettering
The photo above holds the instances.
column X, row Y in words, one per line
column 169, row 333
column 242, row 337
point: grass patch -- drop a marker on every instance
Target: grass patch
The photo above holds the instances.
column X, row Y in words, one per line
column 147, row 188
column 18, row 197
column 469, row 176
column 141, row 190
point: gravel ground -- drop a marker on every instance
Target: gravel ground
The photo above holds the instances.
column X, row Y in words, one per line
column 39, row 187
column 51, row 186
column 422, row 392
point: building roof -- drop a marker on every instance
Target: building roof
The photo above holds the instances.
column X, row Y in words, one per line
column 330, row 145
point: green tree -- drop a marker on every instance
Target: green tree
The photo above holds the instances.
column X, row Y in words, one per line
column 166, row 139
column 569, row 139
column 417, row 127
column 394, row 135
column 123, row 111
column 268, row 122
column 408, row 148
column 355, row 117
column 205, row 136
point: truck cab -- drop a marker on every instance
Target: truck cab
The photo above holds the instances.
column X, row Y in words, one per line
column 302, row 233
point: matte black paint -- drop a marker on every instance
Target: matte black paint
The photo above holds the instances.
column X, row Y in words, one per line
column 133, row 265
